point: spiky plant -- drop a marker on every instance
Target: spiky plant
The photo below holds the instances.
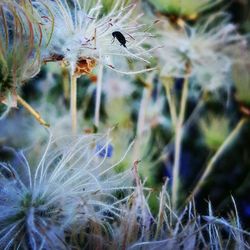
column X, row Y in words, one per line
column 21, row 36
column 72, row 184
column 187, row 229
column 19, row 42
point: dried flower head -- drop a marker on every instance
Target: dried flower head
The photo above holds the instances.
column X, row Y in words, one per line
column 20, row 37
column 209, row 48
column 70, row 185
column 83, row 35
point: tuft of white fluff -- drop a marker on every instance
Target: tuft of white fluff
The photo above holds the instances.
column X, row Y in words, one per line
column 73, row 183
column 82, row 31
column 210, row 49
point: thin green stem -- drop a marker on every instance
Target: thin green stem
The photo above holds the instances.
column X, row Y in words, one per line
column 32, row 111
column 171, row 102
column 216, row 156
column 98, row 96
column 73, row 103
column 65, row 81
column 178, row 138
column 183, row 101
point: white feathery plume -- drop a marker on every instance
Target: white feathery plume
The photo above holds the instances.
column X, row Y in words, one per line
column 210, row 48
column 82, row 35
column 74, row 183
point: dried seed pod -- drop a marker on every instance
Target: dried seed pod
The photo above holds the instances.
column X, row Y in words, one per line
column 84, row 66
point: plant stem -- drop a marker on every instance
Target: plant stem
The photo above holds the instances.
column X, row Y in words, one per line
column 216, row 156
column 183, row 101
column 160, row 216
column 141, row 121
column 65, row 76
column 32, row 111
column 73, row 103
column 171, row 102
column 98, row 96
column 178, row 137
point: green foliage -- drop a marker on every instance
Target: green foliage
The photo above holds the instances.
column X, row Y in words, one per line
column 188, row 8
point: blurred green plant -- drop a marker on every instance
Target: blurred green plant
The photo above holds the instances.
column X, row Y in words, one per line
column 215, row 130
column 187, row 8
column 241, row 78
column 108, row 4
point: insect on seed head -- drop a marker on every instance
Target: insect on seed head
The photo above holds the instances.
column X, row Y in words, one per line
column 120, row 37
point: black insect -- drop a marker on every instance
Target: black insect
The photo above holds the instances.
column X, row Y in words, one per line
column 120, row 37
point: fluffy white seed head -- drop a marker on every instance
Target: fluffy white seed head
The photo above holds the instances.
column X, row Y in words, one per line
column 209, row 48
column 83, row 35
column 74, row 183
